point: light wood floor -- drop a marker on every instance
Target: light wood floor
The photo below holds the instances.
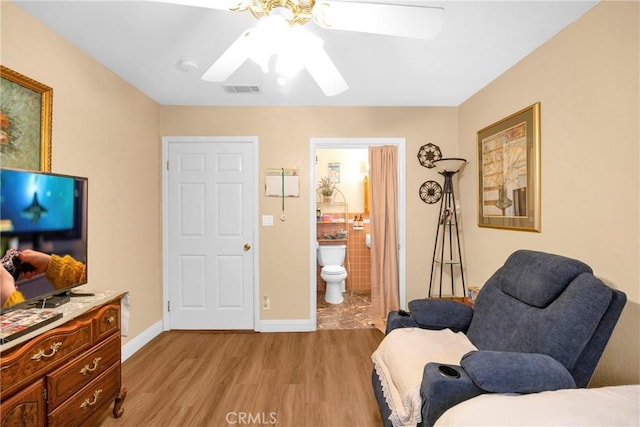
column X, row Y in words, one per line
column 301, row 379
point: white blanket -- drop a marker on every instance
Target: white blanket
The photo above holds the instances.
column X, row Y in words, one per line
column 400, row 360
column 597, row 407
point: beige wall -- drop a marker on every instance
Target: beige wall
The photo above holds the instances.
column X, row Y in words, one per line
column 351, row 173
column 586, row 80
column 284, row 141
column 106, row 130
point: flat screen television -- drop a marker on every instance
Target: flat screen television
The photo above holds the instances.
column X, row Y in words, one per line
column 45, row 212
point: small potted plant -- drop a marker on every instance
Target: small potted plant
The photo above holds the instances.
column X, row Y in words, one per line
column 326, row 187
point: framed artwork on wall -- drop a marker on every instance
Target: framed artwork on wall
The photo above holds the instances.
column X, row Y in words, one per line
column 26, row 108
column 509, row 172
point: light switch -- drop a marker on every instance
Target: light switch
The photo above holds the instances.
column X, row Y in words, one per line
column 267, row 220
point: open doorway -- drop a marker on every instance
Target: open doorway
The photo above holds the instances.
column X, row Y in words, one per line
column 353, row 149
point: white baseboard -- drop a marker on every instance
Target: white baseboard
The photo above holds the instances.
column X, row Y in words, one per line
column 135, row 344
column 292, row 325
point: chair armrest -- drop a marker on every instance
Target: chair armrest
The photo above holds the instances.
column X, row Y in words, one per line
column 511, row 372
column 488, row 371
column 441, row 314
column 440, row 390
column 396, row 320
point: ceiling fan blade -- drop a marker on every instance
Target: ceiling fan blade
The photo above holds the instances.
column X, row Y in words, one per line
column 229, row 61
column 208, row 4
column 418, row 22
column 324, row 72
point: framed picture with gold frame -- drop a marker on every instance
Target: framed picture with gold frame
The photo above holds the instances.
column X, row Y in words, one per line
column 509, row 172
column 26, row 108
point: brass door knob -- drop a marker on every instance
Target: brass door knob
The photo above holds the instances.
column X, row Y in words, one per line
column 246, row 247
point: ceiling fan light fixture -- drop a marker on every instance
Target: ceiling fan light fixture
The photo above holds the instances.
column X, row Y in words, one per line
column 266, row 39
column 282, row 12
column 299, row 11
column 288, row 65
column 298, row 43
column 279, row 37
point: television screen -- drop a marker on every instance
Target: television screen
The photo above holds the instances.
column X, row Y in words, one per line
column 34, row 203
column 47, row 213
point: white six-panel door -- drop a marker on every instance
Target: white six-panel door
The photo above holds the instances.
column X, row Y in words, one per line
column 210, row 216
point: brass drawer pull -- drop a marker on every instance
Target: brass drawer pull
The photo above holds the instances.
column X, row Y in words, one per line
column 41, row 353
column 87, row 402
column 87, row 369
column 111, row 320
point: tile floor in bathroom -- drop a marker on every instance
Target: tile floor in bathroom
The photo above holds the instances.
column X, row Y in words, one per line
column 353, row 313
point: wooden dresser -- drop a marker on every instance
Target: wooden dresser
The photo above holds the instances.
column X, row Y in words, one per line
column 67, row 373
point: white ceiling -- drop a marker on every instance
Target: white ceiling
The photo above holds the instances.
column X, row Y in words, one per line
column 142, row 42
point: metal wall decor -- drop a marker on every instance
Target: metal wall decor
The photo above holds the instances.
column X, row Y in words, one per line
column 428, row 154
column 430, row 192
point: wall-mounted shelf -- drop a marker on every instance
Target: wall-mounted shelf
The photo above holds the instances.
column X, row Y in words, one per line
column 340, row 205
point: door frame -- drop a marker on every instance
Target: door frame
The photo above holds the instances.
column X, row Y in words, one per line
column 339, row 143
column 166, row 140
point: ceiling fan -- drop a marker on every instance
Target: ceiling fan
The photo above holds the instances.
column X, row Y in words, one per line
column 280, row 34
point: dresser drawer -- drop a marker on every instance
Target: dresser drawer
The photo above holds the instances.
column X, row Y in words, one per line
column 90, row 402
column 23, row 365
column 26, row 408
column 68, row 379
column 106, row 321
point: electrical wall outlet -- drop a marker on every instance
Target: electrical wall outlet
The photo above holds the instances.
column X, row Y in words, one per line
column 266, row 303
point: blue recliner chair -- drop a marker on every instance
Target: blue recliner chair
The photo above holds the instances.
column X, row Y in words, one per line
column 541, row 322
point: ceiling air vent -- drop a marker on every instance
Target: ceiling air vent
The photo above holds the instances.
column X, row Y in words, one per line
column 246, row 89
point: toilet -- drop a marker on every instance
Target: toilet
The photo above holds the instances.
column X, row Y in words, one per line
column 331, row 258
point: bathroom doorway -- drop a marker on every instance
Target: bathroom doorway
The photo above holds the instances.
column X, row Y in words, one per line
column 346, row 160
